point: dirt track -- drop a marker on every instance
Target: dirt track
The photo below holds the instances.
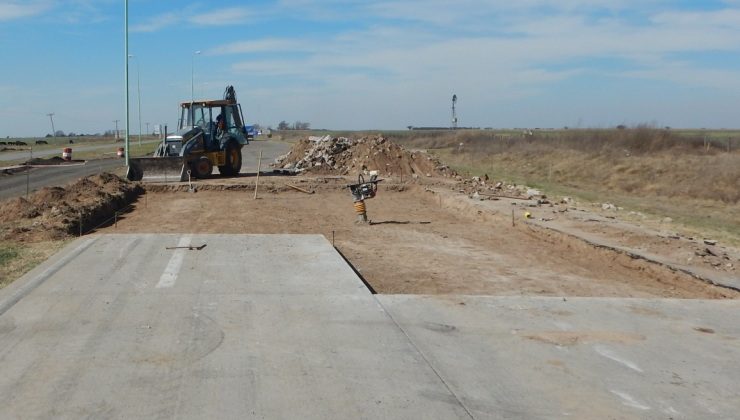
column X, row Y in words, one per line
column 415, row 245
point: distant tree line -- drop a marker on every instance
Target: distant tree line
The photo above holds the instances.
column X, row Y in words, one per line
column 60, row 133
column 298, row 125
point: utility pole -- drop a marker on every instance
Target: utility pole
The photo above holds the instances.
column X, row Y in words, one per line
column 147, row 129
column 116, row 121
column 51, row 117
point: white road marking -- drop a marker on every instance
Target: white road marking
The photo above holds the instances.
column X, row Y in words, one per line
column 169, row 277
column 629, row 401
column 603, row 351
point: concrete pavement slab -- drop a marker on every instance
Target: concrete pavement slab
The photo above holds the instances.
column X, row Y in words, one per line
column 542, row 358
column 278, row 326
column 250, row 326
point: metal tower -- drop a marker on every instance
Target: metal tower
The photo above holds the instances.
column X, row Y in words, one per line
column 454, row 112
column 51, row 117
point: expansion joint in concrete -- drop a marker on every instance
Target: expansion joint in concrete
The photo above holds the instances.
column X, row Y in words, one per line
column 427, row 361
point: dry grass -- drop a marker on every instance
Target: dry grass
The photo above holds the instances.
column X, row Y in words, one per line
column 679, row 175
column 17, row 258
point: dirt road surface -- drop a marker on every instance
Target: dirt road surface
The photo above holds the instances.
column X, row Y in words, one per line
column 416, row 242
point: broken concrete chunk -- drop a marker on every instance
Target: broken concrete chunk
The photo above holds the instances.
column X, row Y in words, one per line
column 702, row 252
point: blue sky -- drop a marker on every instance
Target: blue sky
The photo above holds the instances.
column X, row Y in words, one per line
column 374, row 65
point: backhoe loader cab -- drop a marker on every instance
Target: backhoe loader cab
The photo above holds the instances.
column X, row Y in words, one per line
column 210, row 133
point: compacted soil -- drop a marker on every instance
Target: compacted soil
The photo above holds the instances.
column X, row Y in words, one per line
column 418, row 241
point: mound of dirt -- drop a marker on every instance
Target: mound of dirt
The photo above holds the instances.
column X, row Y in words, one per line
column 56, row 160
column 344, row 156
column 56, row 212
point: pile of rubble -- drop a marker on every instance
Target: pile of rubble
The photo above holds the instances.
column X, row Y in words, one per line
column 348, row 156
column 483, row 188
column 714, row 255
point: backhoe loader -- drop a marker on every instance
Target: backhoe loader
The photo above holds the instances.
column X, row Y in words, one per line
column 210, row 133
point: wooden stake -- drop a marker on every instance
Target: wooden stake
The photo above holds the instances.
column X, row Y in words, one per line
column 299, row 189
column 513, row 223
column 259, row 168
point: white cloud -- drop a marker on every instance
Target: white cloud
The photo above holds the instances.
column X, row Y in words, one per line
column 231, row 16
column 685, row 74
column 191, row 15
column 396, row 72
column 11, row 10
column 722, row 18
column 261, row 45
column 157, row 23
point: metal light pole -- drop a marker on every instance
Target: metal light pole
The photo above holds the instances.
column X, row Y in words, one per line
column 138, row 92
column 192, row 75
column 125, row 43
column 28, row 170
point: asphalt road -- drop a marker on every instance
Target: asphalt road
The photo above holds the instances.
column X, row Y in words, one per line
column 15, row 185
column 24, row 155
column 270, row 151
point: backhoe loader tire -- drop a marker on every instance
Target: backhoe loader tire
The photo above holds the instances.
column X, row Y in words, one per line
column 233, row 159
column 202, row 167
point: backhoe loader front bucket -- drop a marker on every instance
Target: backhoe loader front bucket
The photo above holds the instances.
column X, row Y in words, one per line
column 157, row 169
